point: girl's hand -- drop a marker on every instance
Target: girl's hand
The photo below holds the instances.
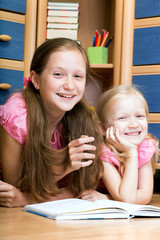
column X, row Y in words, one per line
column 10, row 196
column 118, row 142
column 79, row 157
column 93, row 195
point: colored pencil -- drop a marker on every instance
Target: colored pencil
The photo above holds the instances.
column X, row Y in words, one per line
column 110, row 40
column 104, row 40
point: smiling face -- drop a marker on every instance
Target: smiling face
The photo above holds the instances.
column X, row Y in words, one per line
column 129, row 116
column 62, row 83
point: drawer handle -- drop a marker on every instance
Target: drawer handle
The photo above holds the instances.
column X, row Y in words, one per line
column 5, row 38
column 5, row 86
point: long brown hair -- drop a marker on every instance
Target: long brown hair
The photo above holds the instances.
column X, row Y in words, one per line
column 38, row 158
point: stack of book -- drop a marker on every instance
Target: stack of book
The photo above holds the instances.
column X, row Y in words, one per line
column 62, row 20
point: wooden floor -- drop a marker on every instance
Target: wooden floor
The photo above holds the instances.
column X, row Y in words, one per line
column 16, row 224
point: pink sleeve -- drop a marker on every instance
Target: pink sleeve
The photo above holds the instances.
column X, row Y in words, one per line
column 13, row 117
column 108, row 156
column 146, row 151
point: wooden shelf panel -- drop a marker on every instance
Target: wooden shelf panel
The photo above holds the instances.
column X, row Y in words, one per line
column 105, row 66
column 14, row 17
column 147, row 22
column 11, row 64
column 154, row 118
column 102, row 68
column 146, row 70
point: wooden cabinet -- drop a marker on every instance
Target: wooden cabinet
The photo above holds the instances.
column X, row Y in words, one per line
column 94, row 14
column 18, row 22
column 134, row 54
column 142, row 57
column 146, row 58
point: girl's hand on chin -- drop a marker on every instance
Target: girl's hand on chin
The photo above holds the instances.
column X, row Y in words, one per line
column 114, row 138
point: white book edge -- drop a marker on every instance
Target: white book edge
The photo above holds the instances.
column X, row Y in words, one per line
column 63, row 25
column 62, row 8
column 83, row 209
column 63, row 4
column 63, row 13
column 62, row 19
column 66, row 33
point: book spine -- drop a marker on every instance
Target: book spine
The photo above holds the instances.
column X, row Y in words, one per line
column 62, row 8
column 62, row 25
column 62, row 19
column 76, row 4
column 40, row 214
column 68, row 33
column 63, row 13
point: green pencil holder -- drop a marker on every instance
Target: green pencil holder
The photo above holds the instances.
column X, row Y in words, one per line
column 97, row 55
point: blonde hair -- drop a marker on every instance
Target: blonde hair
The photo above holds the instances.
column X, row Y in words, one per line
column 115, row 93
column 104, row 105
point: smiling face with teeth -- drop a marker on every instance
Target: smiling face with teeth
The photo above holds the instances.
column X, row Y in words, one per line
column 62, row 82
column 128, row 114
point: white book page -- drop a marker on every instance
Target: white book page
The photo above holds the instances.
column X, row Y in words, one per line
column 74, row 205
column 131, row 208
column 62, row 206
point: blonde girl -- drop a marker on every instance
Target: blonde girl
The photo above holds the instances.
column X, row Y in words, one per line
column 129, row 151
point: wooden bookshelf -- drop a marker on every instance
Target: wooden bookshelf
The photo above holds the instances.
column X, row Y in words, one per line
column 143, row 22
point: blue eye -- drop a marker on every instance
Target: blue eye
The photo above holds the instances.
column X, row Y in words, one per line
column 140, row 116
column 121, row 118
column 78, row 76
column 57, row 75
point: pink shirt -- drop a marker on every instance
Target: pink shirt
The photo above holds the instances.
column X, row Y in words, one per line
column 13, row 118
column 145, row 152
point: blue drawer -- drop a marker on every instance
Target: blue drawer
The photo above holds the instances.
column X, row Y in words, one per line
column 14, row 78
column 146, row 48
column 154, row 129
column 12, row 49
column 149, row 85
column 147, row 8
column 13, row 5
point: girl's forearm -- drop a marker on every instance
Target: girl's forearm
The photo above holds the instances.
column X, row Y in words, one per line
column 11, row 196
column 129, row 182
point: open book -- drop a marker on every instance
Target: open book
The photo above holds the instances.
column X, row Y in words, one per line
column 71, row 209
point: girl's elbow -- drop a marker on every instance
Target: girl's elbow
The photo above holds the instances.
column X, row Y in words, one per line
column 147, row 199
column 128, row 198
column 144, row 198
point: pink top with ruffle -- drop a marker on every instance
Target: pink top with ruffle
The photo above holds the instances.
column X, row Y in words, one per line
column 13, row 118
column 145, row 150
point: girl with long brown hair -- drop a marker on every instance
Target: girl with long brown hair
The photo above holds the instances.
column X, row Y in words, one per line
column 48, row 131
